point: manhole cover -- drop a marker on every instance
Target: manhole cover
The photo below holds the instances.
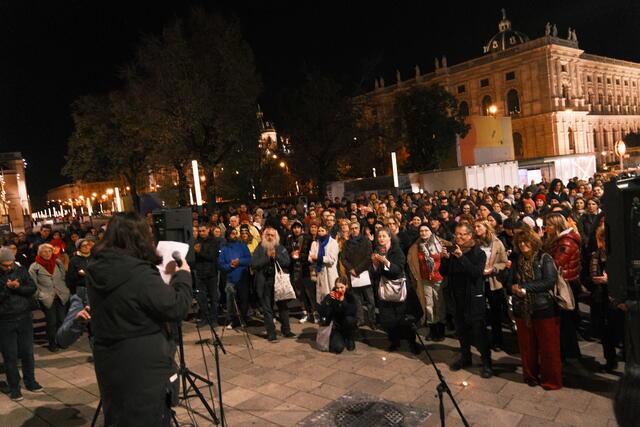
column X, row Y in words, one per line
column 369, row 414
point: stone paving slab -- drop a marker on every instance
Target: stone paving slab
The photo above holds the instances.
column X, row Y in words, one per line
column 289, row 380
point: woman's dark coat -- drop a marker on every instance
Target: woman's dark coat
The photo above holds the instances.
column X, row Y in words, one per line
column 133, row 354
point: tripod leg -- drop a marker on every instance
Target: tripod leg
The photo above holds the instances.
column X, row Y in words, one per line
column 96, row 414
column 441, row 404
column 210, row 410
column 243, row 326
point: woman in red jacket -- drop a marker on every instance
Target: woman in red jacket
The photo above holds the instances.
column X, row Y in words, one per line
column 563, row 244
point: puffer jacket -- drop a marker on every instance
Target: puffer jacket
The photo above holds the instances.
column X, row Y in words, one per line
column 17, row 302
column 565, row 252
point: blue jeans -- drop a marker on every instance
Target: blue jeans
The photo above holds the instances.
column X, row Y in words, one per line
column 16, row 341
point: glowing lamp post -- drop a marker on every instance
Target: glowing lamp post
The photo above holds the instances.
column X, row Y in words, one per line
column 196, row 182
column 493, row 110
column 621, row 149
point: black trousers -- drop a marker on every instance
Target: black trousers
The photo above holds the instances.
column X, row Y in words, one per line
column 472, row 332
column 343, row 331
column 366, row 305
column 16, row 342
column 569, row 321
column 238, row 300
column 497, row 305
column 306, row 293
column 54, row 317
column 612, row 331
column 266, row 303
column 208, row 297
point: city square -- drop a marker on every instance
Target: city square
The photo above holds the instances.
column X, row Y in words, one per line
column 292, row 214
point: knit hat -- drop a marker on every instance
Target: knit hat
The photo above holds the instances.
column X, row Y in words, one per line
column 528, row 202
column 6, row 255
column 79, row 242
column 497, row 217
column 296, row 223
column 540, row 196
column 244, row 227
column 529, row 221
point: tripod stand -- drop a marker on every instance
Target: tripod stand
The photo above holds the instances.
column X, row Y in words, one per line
column 188, row 376
column 442, row 387
column 243, row 325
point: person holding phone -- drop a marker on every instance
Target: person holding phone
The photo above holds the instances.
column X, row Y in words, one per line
column 464, row 267
column 340, row 308
column 77, row 272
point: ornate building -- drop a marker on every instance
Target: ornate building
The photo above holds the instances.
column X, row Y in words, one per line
column 561, row 99
column 15, row 205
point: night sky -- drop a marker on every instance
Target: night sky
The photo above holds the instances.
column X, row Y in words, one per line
column 54, row 51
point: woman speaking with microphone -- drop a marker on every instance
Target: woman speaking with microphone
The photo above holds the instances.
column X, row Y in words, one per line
column 130, row 303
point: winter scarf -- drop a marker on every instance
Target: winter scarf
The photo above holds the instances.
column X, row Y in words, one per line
column 48, row 264
column 322, row 244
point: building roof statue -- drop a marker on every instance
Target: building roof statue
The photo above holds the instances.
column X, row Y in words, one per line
column 444, row 61
column 569, row 34
column 505, row 38
column 547, row 29
column 554, row 31
column 437, row 63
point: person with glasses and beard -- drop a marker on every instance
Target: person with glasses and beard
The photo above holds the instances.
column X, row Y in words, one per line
column 263, row 263
column 464, row 270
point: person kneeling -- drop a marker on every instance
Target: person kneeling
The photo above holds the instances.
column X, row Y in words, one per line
column 340, row 308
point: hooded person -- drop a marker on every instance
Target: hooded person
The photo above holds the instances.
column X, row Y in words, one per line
column 130, row 306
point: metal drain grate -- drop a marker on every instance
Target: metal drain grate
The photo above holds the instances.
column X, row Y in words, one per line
column 355, row 409
column 369, row 414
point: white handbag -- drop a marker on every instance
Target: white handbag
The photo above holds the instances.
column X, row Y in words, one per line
column 392, row 290
column 282, row 289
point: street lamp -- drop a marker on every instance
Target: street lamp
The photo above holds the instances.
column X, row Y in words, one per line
column 493, row 109
column 621, row 149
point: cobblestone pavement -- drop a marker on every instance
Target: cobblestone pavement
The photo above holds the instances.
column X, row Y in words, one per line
column 289, row 380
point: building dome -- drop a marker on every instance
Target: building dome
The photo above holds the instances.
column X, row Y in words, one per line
column 506, row 37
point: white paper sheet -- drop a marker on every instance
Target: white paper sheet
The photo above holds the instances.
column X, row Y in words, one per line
column 362, row 280
column 165, row 249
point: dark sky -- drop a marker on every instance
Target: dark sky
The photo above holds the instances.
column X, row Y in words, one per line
column 54, row 51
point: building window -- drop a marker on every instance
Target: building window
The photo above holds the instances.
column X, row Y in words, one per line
column 486, row 103
column 572, row 141
column 619, row 100
column 565, row 91
column 599, row 79
column 618, row 82
column 511, row 75
column 461, row 89
column 589, row 79
column 633, row 84
column 590, row 98
column 600, row 99
column 626, row 83
column 608, row 81
column 463, row 109
column 626, row 100
column 484, row 82
column 563, row 68
column 513, row 102
column 518, row 145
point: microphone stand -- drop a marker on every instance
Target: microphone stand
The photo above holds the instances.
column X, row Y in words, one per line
column 442, row 387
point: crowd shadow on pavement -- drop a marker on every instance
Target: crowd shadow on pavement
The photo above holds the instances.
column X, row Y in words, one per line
column 68, row 416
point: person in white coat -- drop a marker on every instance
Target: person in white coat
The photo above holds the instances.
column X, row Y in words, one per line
column 324, row 257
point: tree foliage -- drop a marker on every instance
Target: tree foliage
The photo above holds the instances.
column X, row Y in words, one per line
column 321, row 124
column 430, row 122
column 106, row 143
column 200, row 86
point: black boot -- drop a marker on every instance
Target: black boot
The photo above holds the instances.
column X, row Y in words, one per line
column 439, row 328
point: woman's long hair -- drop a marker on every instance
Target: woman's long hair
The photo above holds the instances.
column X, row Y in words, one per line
column 559, row 223
column 129, row 233
column 489, row 234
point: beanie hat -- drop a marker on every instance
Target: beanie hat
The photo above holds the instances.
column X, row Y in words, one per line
column 529, row 221
column 244, row 227
column 528, row 202
column 6, row 255
column 540, row 196
column 296, row 223
column 497, row 217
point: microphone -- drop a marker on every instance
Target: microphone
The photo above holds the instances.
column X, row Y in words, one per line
column 177, row 258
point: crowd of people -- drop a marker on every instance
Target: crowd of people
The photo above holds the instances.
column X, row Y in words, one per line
column 470, row 264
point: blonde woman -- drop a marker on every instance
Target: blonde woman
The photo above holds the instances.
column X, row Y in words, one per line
column 496, row 262
column 48, row 274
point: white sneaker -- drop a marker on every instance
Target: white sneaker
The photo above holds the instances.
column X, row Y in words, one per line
column 229, row 326
column 304, row 319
